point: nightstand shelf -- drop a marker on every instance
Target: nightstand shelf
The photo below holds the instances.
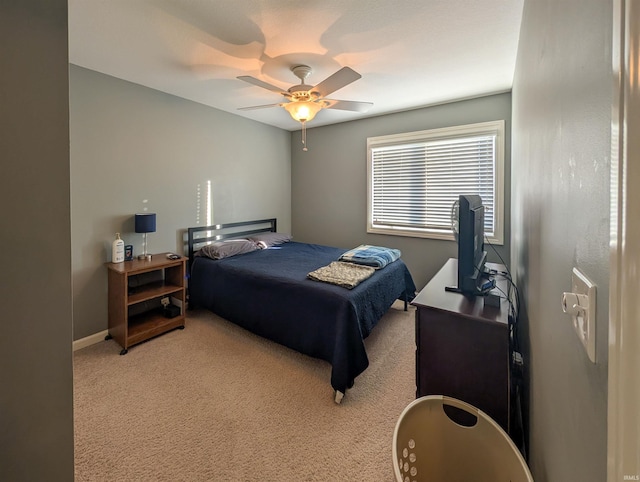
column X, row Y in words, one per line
column 136, row 289
column 149, row 324
column 152, row 290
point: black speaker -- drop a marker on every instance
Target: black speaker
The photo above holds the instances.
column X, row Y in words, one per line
column 171, row 311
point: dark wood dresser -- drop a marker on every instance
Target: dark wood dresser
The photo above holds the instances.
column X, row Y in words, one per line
column 462, row 346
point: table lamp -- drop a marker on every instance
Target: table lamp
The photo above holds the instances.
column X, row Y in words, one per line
column 145, row 223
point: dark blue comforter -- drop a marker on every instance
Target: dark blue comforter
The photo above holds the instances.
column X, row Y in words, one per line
column 268, row 293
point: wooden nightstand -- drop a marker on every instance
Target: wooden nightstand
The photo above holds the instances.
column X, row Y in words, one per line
column 136, row 289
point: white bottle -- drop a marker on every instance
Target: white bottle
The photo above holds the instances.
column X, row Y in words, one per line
column 117, row 252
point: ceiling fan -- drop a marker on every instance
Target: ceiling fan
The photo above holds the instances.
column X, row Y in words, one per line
column 305, row 101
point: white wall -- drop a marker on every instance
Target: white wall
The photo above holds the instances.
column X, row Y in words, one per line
column 36, row 377
column 560, row 219
column 129, row 144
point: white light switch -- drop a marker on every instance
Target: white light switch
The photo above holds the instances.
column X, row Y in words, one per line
column 580, row 303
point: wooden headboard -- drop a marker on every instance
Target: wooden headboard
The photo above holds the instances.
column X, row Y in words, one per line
column 202, row 235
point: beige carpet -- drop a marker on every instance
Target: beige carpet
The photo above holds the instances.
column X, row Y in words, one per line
column 213, row 402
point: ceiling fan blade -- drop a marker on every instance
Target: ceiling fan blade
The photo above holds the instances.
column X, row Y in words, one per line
column 254, row 107
column 264, row 85
column 340, row 79
column 348, row 105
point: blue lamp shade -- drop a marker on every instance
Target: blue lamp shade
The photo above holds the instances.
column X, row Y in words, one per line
column 145, row 223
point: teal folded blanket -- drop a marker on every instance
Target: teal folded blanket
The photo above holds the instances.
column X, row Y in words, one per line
column 375, row 256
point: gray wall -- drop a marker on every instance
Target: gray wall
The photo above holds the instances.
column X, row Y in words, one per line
column 36, row 378
column 129, row 144
column 329, row 181
column 560, row 219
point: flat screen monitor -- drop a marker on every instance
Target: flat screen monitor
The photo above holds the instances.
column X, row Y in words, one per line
column 471, row 253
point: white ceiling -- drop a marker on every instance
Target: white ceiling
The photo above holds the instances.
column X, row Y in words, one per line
column 411, row 53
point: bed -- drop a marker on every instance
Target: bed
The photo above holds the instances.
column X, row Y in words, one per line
column 268, row 292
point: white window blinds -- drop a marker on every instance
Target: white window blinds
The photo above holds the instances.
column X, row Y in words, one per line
column 414, row 181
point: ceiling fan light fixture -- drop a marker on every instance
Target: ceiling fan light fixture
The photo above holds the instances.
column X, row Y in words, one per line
column 305, row 101
column 302, row 111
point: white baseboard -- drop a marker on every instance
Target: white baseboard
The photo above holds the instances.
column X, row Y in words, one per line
column 90, row 340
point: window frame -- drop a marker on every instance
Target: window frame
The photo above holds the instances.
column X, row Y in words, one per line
column 496, row 128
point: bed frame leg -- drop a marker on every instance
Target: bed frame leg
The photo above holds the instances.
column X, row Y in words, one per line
column 406, row 302
column 339, row 396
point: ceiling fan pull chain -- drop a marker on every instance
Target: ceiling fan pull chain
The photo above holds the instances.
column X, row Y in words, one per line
column 304, row 136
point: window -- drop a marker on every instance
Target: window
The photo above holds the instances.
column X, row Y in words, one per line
column 414, row 179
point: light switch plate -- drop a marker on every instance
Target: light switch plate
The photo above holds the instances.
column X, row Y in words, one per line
column 585, row 325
